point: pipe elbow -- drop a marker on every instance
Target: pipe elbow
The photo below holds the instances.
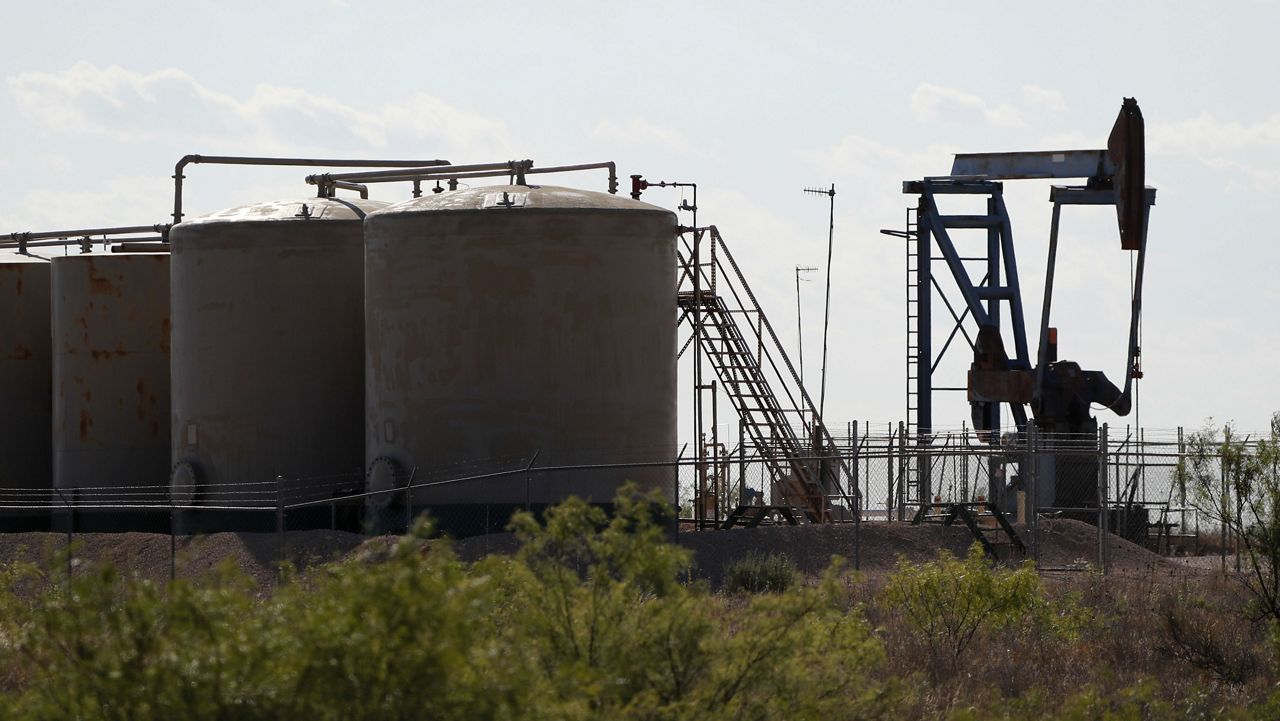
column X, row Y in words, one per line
column 183, row 162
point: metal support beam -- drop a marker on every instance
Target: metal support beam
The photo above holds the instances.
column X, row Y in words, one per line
column 1034, row 164
column 924, row 319
column 993, row 304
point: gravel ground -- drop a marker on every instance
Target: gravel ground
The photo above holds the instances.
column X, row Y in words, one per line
column 1064, row 545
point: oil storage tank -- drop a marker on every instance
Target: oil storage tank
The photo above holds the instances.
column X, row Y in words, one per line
column 111, row 380
column 512, row 320
column 268, row 349
column 25, row 375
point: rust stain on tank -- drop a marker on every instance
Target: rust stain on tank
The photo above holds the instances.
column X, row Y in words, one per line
column 21, row 352
column 101, row 284
column 105, row 354
column 86, row 422
column 142, row 398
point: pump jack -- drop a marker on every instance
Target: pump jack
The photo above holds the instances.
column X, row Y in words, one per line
column 1058, row 392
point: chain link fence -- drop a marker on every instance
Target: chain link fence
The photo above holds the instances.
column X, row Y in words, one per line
column 1126, row 484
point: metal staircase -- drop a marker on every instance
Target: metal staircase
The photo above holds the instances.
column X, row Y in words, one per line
column 988, row 524
column 761, row 383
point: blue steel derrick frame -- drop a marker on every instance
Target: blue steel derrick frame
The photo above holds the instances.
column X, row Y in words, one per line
column 982, row 298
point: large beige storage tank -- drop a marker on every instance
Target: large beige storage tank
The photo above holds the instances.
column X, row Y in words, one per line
column 268, row 347
column 25, row 373
column 111, row 371
column 504, row 321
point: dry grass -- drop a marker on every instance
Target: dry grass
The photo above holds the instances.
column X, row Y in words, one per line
column 1188, row 636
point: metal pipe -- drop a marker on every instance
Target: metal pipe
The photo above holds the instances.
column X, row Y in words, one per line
column 348, row 185
column 82, row 232
column 456, row 172
column 413, row 172
column 20, row 246
column 244, row 160
column 324, row 179
column 48, row 238
column 610, row 165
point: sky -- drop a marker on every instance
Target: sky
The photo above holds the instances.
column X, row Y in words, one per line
column 754, row 101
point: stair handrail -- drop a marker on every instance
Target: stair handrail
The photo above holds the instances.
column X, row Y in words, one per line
column 827, row 440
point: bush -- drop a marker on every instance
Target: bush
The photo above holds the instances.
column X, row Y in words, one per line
column 759, row 572
column 1235, row 484
column 948, row 602
column 1209, row 639
column 588, row 621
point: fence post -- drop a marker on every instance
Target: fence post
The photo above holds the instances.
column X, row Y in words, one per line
column 280, row 550
column 857, row 500
column 173, row 540
column 1031, row 481
column 408, row 505
column 528, row 479
column 1182, row 486
column 888, row 467
column 857, row 485
column 742, row 465
column 1104, row 540
column 902, row 471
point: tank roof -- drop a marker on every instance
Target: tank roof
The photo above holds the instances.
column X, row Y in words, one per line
column 277, row 211
column 537, row 197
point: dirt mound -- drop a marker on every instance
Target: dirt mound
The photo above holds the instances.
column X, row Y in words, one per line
column 1073, row 545
column 147, row 555
column 1063, row 545
column 811, row 548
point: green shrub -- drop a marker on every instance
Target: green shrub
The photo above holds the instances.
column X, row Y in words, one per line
column 588, row 621
column 759, row 572
column 948, row 602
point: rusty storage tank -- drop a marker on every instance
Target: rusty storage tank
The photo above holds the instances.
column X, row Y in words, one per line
column 268, row 349
column 111, row 375
column 26, row 374
column 508, row 320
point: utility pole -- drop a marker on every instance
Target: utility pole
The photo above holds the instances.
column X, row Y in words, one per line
column 799, row 327
column 826, row 319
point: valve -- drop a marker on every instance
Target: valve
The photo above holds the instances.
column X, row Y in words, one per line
column 638, row 184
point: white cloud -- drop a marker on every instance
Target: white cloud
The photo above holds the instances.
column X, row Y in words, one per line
column 121, row 200
column 1206, row 135
column 641, row 131
column 1044, row 97
column 169, row 104
column 930, row 102
column 1247, row 150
